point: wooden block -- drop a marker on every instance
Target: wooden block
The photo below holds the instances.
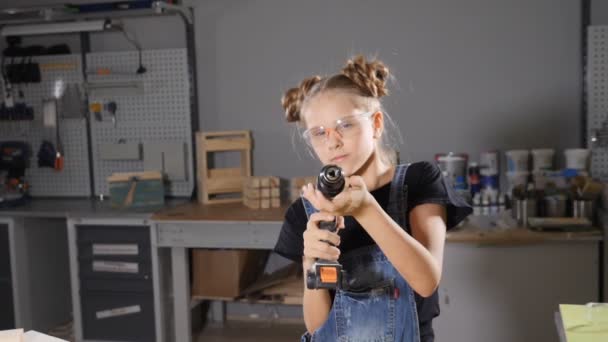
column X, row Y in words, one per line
column 254, row 182
column 252, row 193
column 265, row 182
column 265, row 192
column 251, row 203
column 275, row 192
column 275, row 182
column 275, row 202
column 265, row 203
column 212, row 182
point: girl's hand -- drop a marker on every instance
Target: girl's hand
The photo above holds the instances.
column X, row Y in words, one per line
column 318, row 242
column 347, row 203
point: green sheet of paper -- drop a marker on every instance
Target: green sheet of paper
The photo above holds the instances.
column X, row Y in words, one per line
column 577, row 326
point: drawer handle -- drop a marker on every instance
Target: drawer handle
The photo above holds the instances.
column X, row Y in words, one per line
column 115, row 266
column 115, row 249
column 127, row 310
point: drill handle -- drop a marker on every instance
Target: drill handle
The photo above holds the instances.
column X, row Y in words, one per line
column 332, row 226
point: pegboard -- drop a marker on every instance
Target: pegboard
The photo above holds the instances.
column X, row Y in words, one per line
column 159, row 112
column 597, row 95
column 74, row 180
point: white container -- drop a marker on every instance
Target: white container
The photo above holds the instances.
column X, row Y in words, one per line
column 542, row 159
column 516, row 178
column 577, row 158
column 517, row 160
column 488, row 163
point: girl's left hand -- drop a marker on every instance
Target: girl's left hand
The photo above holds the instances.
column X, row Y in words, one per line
column 347, row 203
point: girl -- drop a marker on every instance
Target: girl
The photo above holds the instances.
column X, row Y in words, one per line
column 393, row 218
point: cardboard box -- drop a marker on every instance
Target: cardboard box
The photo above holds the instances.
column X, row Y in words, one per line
column 225, row 274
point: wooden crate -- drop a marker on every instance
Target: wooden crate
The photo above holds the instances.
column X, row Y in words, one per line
column 262, row 192
column 212, row 182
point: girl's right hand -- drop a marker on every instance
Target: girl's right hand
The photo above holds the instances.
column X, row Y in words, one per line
column 316, row 240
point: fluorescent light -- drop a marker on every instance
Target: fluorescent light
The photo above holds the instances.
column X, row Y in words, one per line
column 52, row 28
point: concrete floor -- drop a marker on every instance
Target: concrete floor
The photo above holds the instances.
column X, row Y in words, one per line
column 240, row 331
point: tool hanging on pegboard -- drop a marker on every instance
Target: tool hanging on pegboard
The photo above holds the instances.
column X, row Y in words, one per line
column 112, row 107
column 51, row 120
column 599, row 137
column 14, row 75
column 14, row 160
column 98, row 109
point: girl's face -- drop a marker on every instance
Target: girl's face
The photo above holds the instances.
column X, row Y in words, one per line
column 339, row 132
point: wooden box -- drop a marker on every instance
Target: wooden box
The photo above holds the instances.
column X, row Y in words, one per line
column 222, row 185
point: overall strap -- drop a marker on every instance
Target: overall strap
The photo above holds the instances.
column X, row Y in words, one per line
column 397, row 203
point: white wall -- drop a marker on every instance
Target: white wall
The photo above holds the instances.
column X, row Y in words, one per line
column 471, row 75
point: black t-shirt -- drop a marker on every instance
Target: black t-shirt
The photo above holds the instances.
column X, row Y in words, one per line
column 425, row 185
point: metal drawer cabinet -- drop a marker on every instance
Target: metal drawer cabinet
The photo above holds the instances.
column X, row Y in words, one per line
column 122, row 316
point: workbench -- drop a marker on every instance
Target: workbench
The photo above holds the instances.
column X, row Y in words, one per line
column 510, row 264
column 193, row 225
column 41, row 278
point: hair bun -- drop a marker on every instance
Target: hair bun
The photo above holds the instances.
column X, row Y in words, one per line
column 370, row 77
column 293, row 98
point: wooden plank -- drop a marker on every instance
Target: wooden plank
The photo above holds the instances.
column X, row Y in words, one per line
column 225, row 172
column 246, row 162
column 287, row 300
column 223, row 145
column 201, row 172
column 224, row 185
column 224, row 133
column 126, row 176
column 218, row 201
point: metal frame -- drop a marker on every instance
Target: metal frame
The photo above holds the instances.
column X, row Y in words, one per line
column 161, row 114
column 45, row 14
column 17, row 317
column 74, row 180
column 75, row 279
column 57, row 13
column 179, row 236
column 585, row 22
column 30, row 265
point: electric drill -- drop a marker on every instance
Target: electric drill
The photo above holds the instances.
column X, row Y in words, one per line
column 326, row 274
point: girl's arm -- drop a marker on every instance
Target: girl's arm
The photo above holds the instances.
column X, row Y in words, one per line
column 316, row 303
column 418, row 258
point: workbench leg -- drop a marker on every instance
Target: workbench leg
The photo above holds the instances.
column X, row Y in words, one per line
column 75, row 280
column 181, row 294
column 218, row 311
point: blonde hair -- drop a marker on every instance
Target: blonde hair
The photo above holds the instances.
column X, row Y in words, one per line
column 365, row 80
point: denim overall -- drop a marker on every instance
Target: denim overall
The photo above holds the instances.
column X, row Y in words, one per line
column 378, row 305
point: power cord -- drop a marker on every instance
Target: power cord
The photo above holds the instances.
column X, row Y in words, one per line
column 141, row 69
